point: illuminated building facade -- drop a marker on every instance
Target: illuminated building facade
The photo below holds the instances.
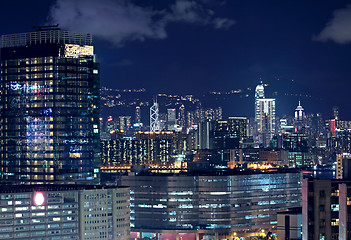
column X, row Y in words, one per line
column 229, row 133
column 298, row 150
column 154, row 120
column 264, row 116
column 299, row 113
column 124, row 123
column 205, row 136
column 326, row 209
column 210, row 206
column 64, row 212
column 49, row 116
column 222, row 134
column 171, row 119
column 110, row 124
column 148, row 148
column 181, row 122
column 343, row 166
column 137, row 115
column 300, row 119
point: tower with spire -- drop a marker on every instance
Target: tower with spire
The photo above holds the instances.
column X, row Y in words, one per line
column 154, row 120
column 299, row 113
column 264, row 116
column 299, row 120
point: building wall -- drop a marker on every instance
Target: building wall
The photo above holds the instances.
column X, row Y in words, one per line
column 344, row 211
column 66, row 212
column 289, row 225
column 49, row 114
column 245, row 204
column 57, row 218
column 320, row 209
column 104, row 214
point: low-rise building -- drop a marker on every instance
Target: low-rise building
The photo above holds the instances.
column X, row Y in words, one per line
column 214, row 205
column 64, row 212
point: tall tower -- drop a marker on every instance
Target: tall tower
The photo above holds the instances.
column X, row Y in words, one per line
column 181, row 117
column 259, row 94
column 171, row 119
column 137, row 115
column 299, row 118
column 336, row 113
column 49, row 111
column 264, row 116
column 154, row 121
column 299, row 114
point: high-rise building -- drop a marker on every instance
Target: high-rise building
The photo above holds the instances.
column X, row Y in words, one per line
column 264, row 116
column 300, row 119
column 326, row 209
column 336, row 113
column 205, row 134
column 171, row 119
column 110, row 124
column 137, row 115
column 149, row 148
column 154, row 120
column 299, row 113
column 181, row 118
column 124, row 122
column 49, row 109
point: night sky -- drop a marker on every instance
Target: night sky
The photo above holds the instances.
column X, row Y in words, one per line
column 187, row 47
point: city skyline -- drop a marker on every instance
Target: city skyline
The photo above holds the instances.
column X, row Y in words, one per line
column 175, row 120
column 192, row 47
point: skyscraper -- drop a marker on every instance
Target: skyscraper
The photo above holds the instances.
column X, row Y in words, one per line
column 171, row 119
column 264, row 116
column 181, row 118
column 154, row 120
column 49, row 116
column 299, row 120
column 124, row 122
column 137, row 115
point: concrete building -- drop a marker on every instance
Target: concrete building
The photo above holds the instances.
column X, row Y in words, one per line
column 49, row 212
column 326, row 209
column 148, row 148
column 344, row 211
column 289, row 225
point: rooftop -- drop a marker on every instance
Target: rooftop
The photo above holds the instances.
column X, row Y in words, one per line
column 45, row 36
column 49, row 187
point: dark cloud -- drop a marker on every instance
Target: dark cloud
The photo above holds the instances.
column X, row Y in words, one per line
column 338, row 29
column 120, row 21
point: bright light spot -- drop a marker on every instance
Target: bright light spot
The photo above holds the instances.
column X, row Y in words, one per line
column 39, row 199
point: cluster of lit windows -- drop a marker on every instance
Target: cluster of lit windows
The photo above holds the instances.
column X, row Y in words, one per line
column 137, row 151
column 36, row 93
column 196, row 202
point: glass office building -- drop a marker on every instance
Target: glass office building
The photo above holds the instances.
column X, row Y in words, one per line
column 49, row 116
column 215, row 206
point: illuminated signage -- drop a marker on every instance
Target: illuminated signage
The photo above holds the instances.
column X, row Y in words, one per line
column 31, row 88
column 39, row 199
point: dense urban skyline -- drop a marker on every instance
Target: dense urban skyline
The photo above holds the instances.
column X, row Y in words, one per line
column 196, row 46
column 131, row 119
